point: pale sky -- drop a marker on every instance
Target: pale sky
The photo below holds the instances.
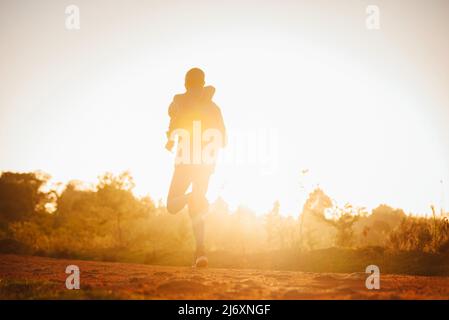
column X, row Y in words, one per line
column 365, row 111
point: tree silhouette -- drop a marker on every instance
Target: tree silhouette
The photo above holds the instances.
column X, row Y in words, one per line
column 21, row 195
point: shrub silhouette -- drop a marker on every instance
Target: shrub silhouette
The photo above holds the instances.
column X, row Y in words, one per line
column 106, row 221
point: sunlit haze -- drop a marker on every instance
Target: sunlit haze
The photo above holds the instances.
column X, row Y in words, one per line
column 361, row 113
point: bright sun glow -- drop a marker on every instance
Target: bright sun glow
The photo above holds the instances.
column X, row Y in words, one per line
column 361, row 136
column 349, row 113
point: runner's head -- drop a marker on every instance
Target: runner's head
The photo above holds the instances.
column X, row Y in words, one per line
column 194, row 79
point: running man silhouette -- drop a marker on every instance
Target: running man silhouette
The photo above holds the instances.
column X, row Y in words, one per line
column 196, row 124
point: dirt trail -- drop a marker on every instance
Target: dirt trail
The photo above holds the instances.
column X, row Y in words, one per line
column 37, row 277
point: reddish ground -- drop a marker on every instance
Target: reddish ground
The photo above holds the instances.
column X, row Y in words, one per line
column 27, row 277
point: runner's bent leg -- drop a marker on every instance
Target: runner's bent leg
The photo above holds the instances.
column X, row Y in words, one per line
column 177, row 197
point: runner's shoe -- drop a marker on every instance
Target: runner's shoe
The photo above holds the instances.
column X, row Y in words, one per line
column 201, row 262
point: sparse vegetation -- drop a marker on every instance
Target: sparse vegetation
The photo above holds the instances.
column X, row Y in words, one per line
column 107, row 222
